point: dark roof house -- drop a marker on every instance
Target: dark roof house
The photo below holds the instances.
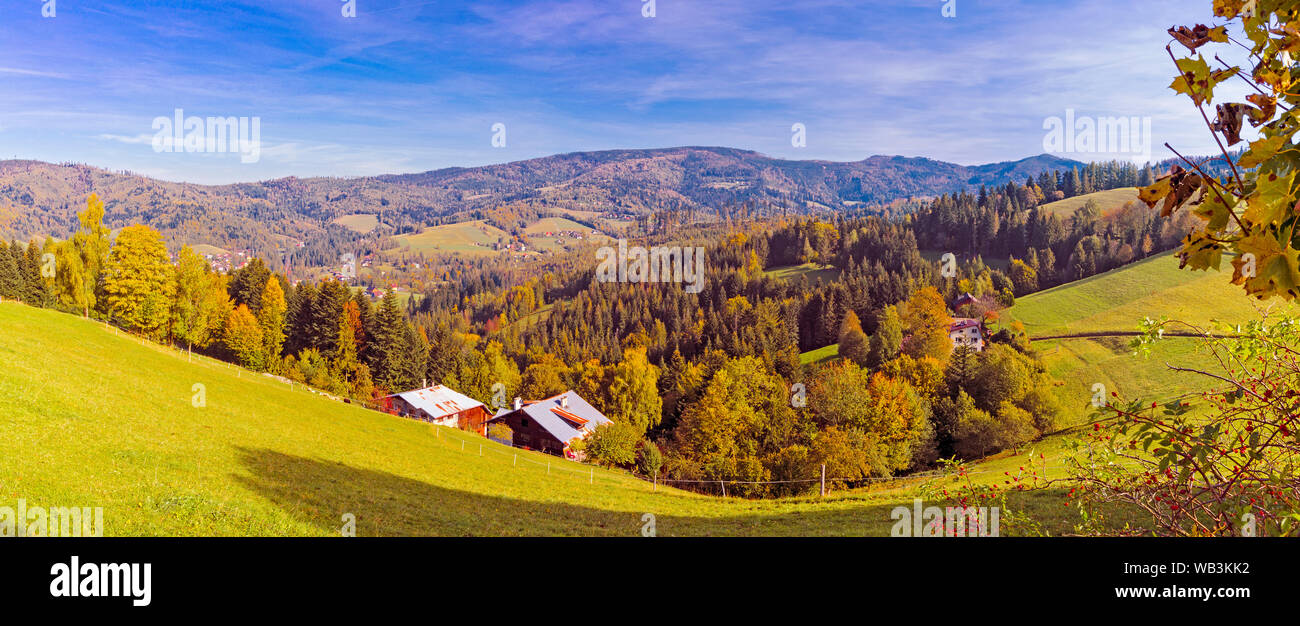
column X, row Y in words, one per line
column 965, row 299
column 550, row 425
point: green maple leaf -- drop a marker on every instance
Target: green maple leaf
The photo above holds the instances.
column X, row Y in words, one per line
column 1200, row 252
column 1271, row 203
column 1277, row 267
column 1198, row 80
column 1215, row 213
column 1262, row 150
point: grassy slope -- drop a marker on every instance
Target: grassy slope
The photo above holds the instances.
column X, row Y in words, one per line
column 204, row 248
column 1107, row 200
column 95, row 419
column 820, row 355
column 553, row 225
column 813, row 271
column 358, row 222
column 537, row 233
column 1117, row 301
column 460, row 237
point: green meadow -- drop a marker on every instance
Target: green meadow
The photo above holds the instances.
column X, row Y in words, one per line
column 1116, row 302
column 812, row 271
column 1107, row 200
column 358, row 222
column 474, row 238
column 821, row 355
column 93, row 417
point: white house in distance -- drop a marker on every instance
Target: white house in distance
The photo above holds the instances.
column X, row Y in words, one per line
column 966, row 331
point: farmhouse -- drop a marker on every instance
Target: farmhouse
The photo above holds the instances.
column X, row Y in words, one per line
column 550, row 425
column 443, row 406
column 968, row 332
column 965, row 300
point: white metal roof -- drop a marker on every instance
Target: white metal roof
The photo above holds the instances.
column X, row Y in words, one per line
column 438, row 401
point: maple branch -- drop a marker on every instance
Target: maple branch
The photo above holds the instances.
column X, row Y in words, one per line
column 1201, row 110
column 1211, row 181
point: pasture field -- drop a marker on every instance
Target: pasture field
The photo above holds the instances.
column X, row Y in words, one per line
column 358, row 222
column 474, row 238
column 1108, row 201
column 1116, row 302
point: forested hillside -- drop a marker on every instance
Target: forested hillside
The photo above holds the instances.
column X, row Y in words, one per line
column 37, row 199
column 700, row 385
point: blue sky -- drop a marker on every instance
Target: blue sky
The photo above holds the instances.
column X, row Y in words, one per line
column 414, row 85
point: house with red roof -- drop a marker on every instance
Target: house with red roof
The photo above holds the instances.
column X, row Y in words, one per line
column 966, row 331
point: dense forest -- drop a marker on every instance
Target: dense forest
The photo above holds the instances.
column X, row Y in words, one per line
column 706, row 386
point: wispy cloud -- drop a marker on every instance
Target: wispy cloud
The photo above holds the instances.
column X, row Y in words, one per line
column 410, row 85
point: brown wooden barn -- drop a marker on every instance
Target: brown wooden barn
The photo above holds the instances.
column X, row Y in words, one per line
column 550, row 425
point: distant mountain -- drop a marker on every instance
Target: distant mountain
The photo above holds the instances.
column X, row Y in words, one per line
column 711, row 177
column 38, row 198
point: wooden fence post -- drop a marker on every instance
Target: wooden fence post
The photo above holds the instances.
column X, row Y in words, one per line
column 724, row 488
column 823, row 480
column 516, row 461
column 656, row 480
column 591, row 479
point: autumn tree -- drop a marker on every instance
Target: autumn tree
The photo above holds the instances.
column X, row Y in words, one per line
column 351, row 377
column 1024, row 277
column 613, row 444
column 741, row 417
column 271, row 319
column 243, row 337
column 541, row 380
column 894, row 417
column 632, row 392
column 139, row 281
column 201, row 304
column 926, row 319
column 80, row 261
column 853, row 342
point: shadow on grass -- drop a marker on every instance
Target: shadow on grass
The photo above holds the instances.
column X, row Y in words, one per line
column 319, row 493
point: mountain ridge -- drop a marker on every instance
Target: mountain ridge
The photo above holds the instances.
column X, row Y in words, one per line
column 39, row 198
